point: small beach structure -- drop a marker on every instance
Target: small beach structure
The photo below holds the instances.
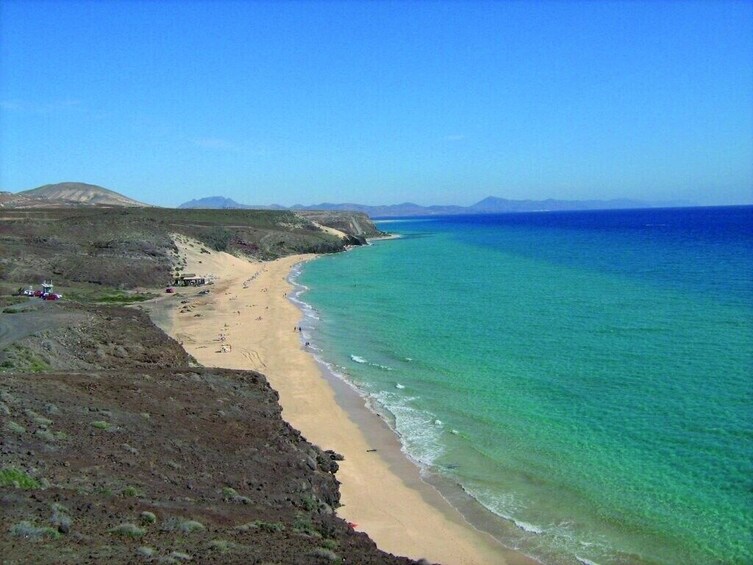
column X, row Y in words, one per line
column 190, row 279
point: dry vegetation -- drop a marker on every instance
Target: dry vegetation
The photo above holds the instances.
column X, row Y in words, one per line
column 85, row 248
column 110, row 452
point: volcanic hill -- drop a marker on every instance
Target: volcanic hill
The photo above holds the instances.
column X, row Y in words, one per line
column 67, row 194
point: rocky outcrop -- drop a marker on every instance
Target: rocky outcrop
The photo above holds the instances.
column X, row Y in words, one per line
column 356, row 224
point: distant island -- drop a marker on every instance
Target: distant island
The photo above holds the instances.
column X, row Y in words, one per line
column 489, row 205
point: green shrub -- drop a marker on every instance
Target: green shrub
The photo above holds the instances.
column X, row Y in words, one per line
column 131, row 491
column 124, row 298
column 7, row 397
column 182, row 525
column 103, row 490
column 221, row 545
column 46, row 435
column 60, row 518
column 10, row 477
column 304, row 525
column 26, row 529
column 310, row 503
column 269, row 527
column 129, row 530
column 21, row 359
column 189, row 526
column 38, row 420
column 230, row 494
column 15, row 427
column 326, row 554
column 329, row 544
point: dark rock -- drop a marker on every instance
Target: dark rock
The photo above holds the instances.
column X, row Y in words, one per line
column 334, row 456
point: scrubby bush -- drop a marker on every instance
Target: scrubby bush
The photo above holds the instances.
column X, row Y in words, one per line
column 182, row 525
column 26, row 529
column 10, row 477
column 15, row 427
column 129, row 530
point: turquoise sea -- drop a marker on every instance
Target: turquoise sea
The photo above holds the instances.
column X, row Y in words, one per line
column 588, row 376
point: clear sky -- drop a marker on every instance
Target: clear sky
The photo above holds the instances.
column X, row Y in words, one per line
column 379, row 102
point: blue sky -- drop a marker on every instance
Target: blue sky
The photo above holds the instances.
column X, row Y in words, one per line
column 379, row 102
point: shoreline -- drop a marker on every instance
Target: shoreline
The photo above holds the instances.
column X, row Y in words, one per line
column 248, row 321
column 379, row 432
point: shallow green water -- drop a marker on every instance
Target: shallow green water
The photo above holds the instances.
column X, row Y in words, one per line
column 588, row 377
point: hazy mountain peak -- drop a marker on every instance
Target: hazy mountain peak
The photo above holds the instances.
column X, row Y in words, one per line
column 213, row 202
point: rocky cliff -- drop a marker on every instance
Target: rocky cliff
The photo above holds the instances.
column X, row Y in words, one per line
column 116, row 447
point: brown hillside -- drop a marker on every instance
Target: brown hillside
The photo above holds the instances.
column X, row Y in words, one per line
column 66, row 194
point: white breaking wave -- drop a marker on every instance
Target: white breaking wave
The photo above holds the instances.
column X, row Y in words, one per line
column 526, row 527
column 420, row 439
column 362, row 361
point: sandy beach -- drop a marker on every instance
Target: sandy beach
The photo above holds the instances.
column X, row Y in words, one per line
column 246, row 321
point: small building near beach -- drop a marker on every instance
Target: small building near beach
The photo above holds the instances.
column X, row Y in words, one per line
column 190, row 280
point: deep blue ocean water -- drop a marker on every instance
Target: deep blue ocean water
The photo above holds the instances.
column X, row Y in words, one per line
column 586, row 375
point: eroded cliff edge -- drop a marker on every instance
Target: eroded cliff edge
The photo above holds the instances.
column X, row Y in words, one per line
column 116, row 446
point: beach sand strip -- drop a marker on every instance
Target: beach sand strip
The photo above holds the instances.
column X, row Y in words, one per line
column 246, row 321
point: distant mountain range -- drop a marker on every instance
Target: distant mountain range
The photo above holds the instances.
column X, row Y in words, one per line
column 490, row 205
column 64, row 195
column 72, row 194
